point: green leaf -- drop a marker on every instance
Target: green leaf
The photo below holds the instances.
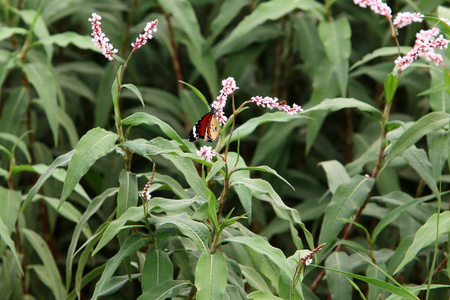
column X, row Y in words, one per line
column 8, row 63
column 266, row 169
column 340, row 103
column 311, row 50
column 249, row 126
column 66, row 38
column 94, row 144
column 418, row 160
column 10, row 204
column 7, row 32
column 325, row 85
column 133, row 214
column 171, row 205
column 144, row 118
column 380, row 52
column 135, row 90
column 271, row 10
column 263, row 295
column 5, row 233
column 335, row 36
column 264, row 191
column 198, row 232
column 92, row 208
column 216, row 167
column 129, row 247
column 17, row 143
column 394, row 214
column 426, row 235
column 44, row 82
column 128, row 192
column 49, row 268
column 116, row 283
column 348, row 198
column 378, row 283
column 60, row 161
column 390, row 87
column 14, row 109
column 60, row 175
column 427, row 124
column 211, row 276
column 229, row 9
column 444, row 27
column 167, row 289
column 274, row 255
column 198, row 93
column 157, row 269
column 172, row 153
column 255, row 279
column 338, row 285
column 336, row 174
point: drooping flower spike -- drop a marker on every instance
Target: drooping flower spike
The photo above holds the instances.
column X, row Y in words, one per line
column 272, row 103
column 229, row 86
column 99, row 38
column 406, row 18
column 142, row 39
column 427, row 41
column 377, row 6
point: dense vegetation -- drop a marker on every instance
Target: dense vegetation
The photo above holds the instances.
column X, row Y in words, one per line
column 329, row 178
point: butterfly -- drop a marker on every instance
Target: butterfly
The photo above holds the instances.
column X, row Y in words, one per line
column 207, row 128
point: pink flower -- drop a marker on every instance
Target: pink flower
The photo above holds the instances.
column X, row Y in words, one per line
column 142, row 39
column 99, row 38
column 426, row 42
column 272, row 103
column 406, row 18
column 229, row 86
column 206, row 153
column 376, row 6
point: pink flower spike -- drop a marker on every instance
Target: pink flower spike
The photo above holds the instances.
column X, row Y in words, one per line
column 406, row 18
column 272, row 103
column 142, row 39
column 376, row 6
column 229, row 86
column 99, row 39
column 206, row 153
column 426, row 43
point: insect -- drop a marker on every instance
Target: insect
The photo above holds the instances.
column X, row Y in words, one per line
column 207, row 128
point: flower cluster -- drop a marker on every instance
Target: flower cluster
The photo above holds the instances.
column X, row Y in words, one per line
column 206, row 153
column 273, row 103
column 99, row 38
column 406, row 18
column 142, row 39
column 229, row 86
column 426, row 42
column 377, row 6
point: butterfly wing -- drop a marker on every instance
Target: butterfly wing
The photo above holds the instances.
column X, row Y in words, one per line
column 207, row 128
column 199, row 131
column 213, row 129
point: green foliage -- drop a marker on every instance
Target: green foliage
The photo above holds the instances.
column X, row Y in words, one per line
column 103, row 196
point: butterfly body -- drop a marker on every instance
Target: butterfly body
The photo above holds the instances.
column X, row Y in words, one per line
column 207, row 128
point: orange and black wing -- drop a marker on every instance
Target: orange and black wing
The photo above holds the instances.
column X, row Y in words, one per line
column 207, row 128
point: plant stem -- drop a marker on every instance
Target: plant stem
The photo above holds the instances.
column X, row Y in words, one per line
column 175, row 58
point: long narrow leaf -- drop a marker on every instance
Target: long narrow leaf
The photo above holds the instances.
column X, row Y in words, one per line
column 211, row 276
column 94, row 144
